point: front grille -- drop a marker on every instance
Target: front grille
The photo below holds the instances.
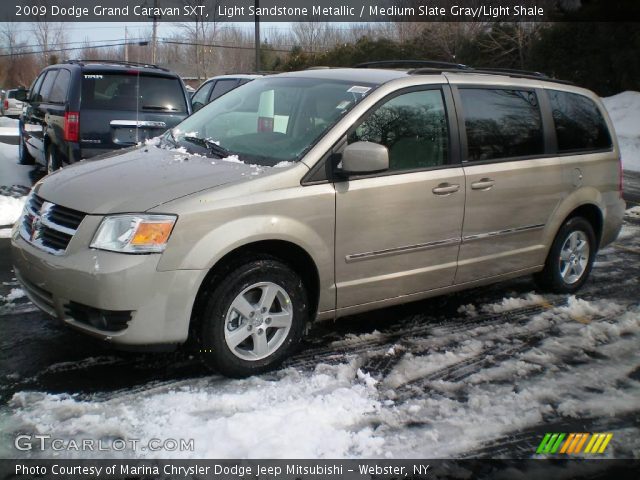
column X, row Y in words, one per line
column 48, row 226
column 107, row 320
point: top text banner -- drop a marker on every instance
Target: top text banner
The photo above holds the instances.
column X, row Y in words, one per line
column 316, row 10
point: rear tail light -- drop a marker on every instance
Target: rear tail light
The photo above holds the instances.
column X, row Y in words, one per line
column 71, row 126
column 6, row 104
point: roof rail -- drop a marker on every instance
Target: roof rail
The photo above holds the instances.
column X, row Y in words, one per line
column 117, row 62
column 518, row 74
column 432, row 64
column 512, row 71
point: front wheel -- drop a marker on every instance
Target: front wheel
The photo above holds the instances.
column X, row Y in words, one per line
column 253, row 318
column 571, row 257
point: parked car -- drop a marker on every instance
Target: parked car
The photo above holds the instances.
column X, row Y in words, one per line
column 320, row 194
column 80, row 109
column 12, row 101
column 217, row 86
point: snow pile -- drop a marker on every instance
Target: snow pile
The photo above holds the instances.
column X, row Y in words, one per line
column 511, row 303
column 322, row 415
column 10, row 209
column 14, row 294
column 8, row 126
column 624, row 110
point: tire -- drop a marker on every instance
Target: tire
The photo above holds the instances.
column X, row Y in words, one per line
column 24, row 157
column 52, row 161
column 570, row 259
column 275, row 309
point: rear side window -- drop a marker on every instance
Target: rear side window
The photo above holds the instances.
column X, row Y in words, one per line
column 221, row 87
column 60, row 87
column 413, row 127
column 47, row 85
column 501, row 123
column 118, row 91
column 579, row 123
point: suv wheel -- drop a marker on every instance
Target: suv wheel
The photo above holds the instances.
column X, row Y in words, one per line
column 253, row 317
column 571, row 257
column 52, row 160
column 24, row 157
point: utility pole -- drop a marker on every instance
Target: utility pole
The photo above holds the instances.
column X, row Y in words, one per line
column 126, row 45
column 154, row 35
column 257, row 35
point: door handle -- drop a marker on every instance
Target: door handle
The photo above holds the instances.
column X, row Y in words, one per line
column 483, row 184
column 446, row 189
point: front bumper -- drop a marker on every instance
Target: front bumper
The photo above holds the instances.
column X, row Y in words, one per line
column 159, row 303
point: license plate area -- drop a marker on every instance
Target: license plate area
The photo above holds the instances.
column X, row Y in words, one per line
column 131, row 132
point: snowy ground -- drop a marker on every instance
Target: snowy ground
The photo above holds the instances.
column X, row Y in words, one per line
column 8, row 126
column 624, row 110
column 483, row 373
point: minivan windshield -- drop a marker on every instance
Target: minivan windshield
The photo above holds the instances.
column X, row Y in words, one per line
column 268, row 121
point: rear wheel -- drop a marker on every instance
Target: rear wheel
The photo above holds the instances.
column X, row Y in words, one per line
column 24, row 157
column 253, row 317
column 53, row 160
column 571, row 257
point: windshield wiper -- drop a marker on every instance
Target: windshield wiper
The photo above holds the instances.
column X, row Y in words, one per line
column 212, row 146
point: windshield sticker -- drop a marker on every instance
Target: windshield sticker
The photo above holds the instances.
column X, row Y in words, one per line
column 343, row 104
column 97, row 77
column 359, row 89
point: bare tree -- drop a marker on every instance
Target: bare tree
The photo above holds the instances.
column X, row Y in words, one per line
column 201, row 31
column 48, row 33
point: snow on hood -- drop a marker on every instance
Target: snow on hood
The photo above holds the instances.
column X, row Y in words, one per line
column 139, row 179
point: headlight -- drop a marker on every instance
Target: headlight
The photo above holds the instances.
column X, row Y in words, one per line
column 134, row 233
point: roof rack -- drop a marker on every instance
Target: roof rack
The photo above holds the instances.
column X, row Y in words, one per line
column 117, row 62
column 432, row 64
column 512, row 71
column 436, row 67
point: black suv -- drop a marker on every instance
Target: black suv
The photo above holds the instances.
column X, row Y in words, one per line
column 83, row 108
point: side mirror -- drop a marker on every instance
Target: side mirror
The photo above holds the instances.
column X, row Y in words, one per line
column 195, row 106
column 364, row 157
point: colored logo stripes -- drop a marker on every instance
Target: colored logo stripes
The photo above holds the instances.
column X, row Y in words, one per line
column 573, row 443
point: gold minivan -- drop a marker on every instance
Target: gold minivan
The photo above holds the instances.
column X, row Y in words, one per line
column 319, row 194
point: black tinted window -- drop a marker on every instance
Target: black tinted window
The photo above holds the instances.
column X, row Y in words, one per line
column 61, row 85
column 221, row 87
column 412, row 126
column 108, row 91
column 501, row 123
column 578, row 122
column 47, row 85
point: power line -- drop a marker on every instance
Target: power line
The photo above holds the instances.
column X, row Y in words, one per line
column 234, row 47
column 69, row 49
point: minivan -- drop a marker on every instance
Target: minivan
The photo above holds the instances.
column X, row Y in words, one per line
column 319, row 194
column 82, row 108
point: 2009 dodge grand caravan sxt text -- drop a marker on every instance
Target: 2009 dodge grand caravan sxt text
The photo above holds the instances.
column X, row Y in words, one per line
column 319, row 194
